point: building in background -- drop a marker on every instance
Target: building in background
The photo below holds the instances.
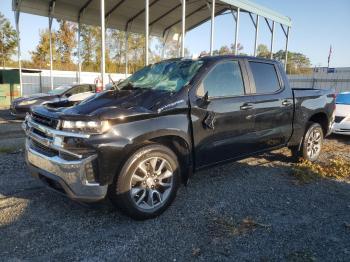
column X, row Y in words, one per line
column 324, row 77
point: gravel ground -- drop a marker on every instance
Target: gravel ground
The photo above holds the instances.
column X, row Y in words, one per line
column 11, row 133
column 250, row 210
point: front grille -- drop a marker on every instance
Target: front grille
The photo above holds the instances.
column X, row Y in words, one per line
column 42, row 149
column 46, row 121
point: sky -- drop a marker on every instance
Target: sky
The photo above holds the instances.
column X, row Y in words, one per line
column 317, row 24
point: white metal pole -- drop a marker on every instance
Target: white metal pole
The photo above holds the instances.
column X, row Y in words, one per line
column 126, row 53
column 183, row 28
column 286, row 54
column 237, row 30
column 50, row 42
column 272, row 39
column 256, row 35
column 103, row 55
column 79, row 53
column 165, row 39
column 146, row 30
column 163, row 47
column 178, row 45
column 17, row 14
column 212, row 28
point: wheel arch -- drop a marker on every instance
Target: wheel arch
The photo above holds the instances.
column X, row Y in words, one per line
column 177, row 141
column 322, row 119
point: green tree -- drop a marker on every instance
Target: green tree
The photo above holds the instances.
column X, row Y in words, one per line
column 88, row 35
column 8, row 39
column 65, row 41
column 41, row 55
column 297, row 62
column 239, row 49
column 263, row 51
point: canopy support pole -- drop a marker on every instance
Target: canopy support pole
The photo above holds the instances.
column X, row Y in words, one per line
column 165, row 39
column 183, row 28
column 103, row 55
column 50, row 42
column 256, row 25
column 272, row 30
column 146, row 31
column 236, row 17
column 286, row 33
column 17, row 14
column 272, row 39
column 79, row 52
column 51, row 11
column 212, row 27
column 126, row 53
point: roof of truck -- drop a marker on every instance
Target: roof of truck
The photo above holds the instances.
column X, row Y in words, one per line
column 220, row 57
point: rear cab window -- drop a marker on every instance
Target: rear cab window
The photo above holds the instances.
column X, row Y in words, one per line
column 265, row 77
column 223, row 80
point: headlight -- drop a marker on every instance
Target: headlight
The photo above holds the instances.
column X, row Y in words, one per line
column 94, row 127
column 27, row 102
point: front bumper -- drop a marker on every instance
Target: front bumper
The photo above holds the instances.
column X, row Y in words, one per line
column 342, row 128
column 69, row 177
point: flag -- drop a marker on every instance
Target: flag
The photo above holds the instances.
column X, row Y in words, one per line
column 330, row 54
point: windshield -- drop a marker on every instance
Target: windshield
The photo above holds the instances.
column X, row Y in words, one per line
column 169, row 75
column 59, row 90
column 343, row 98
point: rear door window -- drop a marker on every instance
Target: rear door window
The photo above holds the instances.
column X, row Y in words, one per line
column 265, row 77
column 224, row 80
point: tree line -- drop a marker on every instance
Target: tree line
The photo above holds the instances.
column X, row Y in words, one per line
column 65, row 50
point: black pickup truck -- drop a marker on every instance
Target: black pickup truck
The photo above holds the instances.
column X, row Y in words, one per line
column 136, row 144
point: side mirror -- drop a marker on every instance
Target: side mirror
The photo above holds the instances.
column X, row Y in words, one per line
column 68, row 95
column 204, row 101
column 206, row 97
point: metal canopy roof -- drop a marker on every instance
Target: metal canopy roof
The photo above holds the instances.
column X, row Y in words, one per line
column 164, row 15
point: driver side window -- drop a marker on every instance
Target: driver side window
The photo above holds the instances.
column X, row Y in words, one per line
column 224, row 80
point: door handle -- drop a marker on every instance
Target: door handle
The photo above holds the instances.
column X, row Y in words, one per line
column 286, row 103
column 246, row 107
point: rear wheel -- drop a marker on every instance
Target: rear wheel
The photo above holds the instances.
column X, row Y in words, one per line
column 147, row 183
column 312, row 143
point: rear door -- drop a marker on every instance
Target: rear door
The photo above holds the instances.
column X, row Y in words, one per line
column 223, row 124
column 273, row 103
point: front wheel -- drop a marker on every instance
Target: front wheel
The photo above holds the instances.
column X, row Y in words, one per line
column 147, row 183
column 312, row 143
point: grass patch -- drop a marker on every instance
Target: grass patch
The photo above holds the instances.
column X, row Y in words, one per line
column 337, row 168
column 301, row 256
column 227, row 226
column 7, row 150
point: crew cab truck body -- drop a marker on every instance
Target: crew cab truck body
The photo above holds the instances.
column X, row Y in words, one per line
column 137, row 143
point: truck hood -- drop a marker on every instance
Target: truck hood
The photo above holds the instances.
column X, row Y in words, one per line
column 116, row 105
column 39, row 96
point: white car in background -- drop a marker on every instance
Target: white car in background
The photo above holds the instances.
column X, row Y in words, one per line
column 342, row 114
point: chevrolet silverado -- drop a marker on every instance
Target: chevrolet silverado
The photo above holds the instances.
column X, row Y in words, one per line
column 137, row 143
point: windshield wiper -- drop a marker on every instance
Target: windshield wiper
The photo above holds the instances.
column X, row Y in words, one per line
column 115, row 85
column 130, row 86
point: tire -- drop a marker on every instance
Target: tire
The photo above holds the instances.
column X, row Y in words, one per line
column 311, row 145
column 145, row 180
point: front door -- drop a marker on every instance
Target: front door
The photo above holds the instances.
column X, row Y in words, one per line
column 223, row 123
